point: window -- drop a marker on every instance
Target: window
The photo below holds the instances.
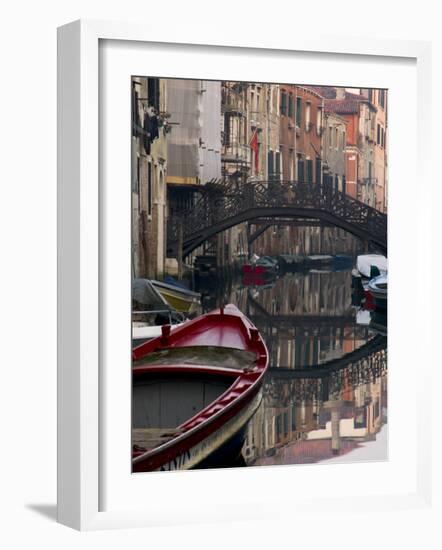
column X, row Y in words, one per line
column 270, row 168
column 319, row 121
column 291, row 106
column 308, row 108
column 318, row 170
column 378, row 138
column 381, row 95
column 136, row 122
column 280, row 161
column 137, row 189
column 149, row 189
column 291, row 165
column 300, row 166
column 277, row 165
column 298, row 112
column 336, row 137
column 227, row 129
column 283, row 103
column 153, row 93
column 309, row 171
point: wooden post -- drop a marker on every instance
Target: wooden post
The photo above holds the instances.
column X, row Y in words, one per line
column 180, row 250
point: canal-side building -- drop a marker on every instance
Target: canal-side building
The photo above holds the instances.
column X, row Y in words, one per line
column 236, row 162
column 309, row 109
column 193, row 142
column 301, row 126
column 285, row 165
column 333, row 147
column 264, row 142
column 149, row 172
column 360, row 115
column 250, row 152
column 235, row 151
column 379, row 99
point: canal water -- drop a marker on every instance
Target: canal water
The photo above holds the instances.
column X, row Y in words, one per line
column 325, row 394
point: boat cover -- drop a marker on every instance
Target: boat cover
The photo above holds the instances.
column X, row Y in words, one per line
column 145, row 294
column 215, row 356
column 365, row 261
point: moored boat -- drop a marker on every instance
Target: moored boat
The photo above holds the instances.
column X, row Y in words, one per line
column 370, row 265
column 142, row 332
column 178, row 297
column 264, row 264
column 378, row 288
column 194, row 391
column 149, row 311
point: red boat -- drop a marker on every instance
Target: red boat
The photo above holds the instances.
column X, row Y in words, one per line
column 194, row 391
column 254, row 269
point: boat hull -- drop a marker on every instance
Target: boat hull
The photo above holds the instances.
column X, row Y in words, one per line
column 217, row 447
column 215, row 433
column 184, row 301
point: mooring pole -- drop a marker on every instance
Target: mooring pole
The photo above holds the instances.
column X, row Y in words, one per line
column 180, row 250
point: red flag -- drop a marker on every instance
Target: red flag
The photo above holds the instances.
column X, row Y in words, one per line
column 254, row 146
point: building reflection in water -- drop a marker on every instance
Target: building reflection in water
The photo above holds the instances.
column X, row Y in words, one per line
column 306, row 420
column 326, row 390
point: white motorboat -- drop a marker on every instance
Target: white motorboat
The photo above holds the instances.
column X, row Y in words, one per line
column 371, row 265
column 378, row 287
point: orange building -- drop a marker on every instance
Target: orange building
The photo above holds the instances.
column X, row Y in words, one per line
column 301, row 123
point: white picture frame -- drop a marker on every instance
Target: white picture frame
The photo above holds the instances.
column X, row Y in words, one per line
column 79, row 273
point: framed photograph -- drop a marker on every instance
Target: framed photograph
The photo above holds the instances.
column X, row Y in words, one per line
column 225, row 217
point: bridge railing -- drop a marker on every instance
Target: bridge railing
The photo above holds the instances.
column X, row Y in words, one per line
column 230, row 201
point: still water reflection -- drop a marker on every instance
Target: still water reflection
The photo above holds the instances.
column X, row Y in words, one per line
column 325, row 394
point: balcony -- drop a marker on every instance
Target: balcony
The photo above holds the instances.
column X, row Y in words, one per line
column 233, row 103
column 235, row 152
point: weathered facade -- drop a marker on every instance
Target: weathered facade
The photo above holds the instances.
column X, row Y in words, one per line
column 360, row 115
column 149, row 171
column 379, row 99
column 194, row 141
column 309, row 109
column 333, row 147
column 235, row 152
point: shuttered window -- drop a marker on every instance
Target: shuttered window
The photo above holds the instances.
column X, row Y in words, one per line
column 309, row 171
column 318, row 170
column 278, row 165
column 153, row 92
column 291, row 106
column 298, row 112
column 283, row 103
column 301, row 170
column 270, row 168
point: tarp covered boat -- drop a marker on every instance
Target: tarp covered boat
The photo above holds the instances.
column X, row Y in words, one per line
column 194, row 391
column 366, row 262
column 179, row 297
column 149, row 311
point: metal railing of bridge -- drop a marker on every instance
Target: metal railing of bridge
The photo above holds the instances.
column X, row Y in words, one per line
column 227, row 204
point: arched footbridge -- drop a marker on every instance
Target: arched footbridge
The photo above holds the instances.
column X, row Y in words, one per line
column 223, row 206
